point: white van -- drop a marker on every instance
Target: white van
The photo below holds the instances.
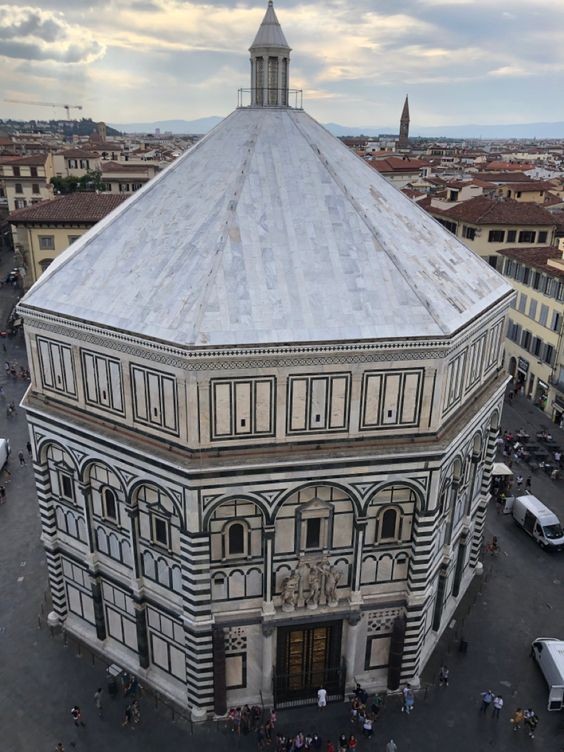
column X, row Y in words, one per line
column 538, row 520
column 549, row 654
column 4, row 452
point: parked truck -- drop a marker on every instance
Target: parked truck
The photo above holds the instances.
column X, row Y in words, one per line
column 549, row 654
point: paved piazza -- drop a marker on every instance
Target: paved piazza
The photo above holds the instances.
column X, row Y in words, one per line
column 519, row 597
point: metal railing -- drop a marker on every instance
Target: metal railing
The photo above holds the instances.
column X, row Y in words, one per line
column 269, row 97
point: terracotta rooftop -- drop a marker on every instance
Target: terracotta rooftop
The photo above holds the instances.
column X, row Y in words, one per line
column 482, row 210
column 36, row 159
column 531, row 186
column 75, row 207
column 503, row 177
column 507, row 166
column 109, row 167
column 78, row 154
column 536, row 258
column 397, row 164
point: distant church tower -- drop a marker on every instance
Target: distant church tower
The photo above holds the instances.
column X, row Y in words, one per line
column 270, row 63
column 404, row 126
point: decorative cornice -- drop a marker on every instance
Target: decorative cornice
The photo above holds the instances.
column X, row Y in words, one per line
column 227, row 358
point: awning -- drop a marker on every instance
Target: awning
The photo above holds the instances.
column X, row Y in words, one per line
column 499, row 468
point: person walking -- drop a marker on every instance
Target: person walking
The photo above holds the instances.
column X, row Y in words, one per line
column 28, row 447
column 343, row 743
column 443, row 676
column 517, row 719
column 2, row 494
column 531, row 721
column 128, row 717
column 519, row 481
column 321, row 697
column 408, row 699
column 98, row 701
column 21, row 457
column 391, row 746
column 487, row 699
column 77, row 716
column 59, row 747
column 497, row 706
column 352, row 743
column 528, row 483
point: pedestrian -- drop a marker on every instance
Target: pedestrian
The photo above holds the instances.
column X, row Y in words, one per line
column 261, row 737
column 59, row 747
column 128, row 717
column 517, row 719
column 443, row 676
column 408, row 699
column 391, row 746
column 321, row 697
column 2, row 494
column 351, row 745
column 368, row 726
column 98, row 701
column 273, row 717
column 343, row 743
column 487, row 698
column 531, row 721
column 316, row 741
column 77, row 716
column 528, row 483
column 330, row 747
column 21, row 457
column 497, row 706
column 519, row 482
column 28, row 447
column 135, row 711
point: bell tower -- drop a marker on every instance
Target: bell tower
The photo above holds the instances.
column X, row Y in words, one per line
column 270, row 63
column 404, row 126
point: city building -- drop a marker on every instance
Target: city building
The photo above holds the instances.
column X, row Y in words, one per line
column 489, row 225
column 25, row 180
column 126, row 177
column 43, row 231
column 534, row 350
column 264, row 402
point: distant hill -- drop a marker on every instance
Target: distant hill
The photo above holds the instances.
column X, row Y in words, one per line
column 515, row 130
column 201, row 125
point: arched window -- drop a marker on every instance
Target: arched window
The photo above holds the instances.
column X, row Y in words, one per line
column 389, row 524
column 109, row 504
column 236, row 539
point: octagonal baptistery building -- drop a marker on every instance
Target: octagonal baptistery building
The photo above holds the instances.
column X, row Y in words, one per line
column 265, row 392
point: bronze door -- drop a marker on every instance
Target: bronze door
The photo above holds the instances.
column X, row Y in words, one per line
column 308, row 658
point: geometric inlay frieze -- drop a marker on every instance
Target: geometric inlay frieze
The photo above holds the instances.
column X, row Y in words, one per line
column 381, row 622
column 235, row 640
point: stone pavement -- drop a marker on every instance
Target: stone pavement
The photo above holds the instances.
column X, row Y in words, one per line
column 519, row 597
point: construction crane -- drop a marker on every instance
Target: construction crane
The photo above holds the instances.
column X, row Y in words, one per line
column 67, row 107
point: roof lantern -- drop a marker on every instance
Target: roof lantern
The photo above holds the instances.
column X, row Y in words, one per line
column 270, row 63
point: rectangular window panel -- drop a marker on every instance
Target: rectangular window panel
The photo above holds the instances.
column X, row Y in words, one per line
column 310, row 397
column 298, row 404
column 155, row 399
column 169, row 403
column 410, row 398
column 543, row 317
column 371, row 402
column 318, row 404
column 243, row 407
column 56, row 367
column 115, row 385
column 392, row 385
column 222, row 410
column 102, row 381
column 338, row 403
column 263, row 406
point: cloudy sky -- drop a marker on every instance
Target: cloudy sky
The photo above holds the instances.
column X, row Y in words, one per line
column 461, row 61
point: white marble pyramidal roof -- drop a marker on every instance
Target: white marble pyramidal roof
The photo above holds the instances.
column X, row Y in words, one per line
column 270, row 32
column 269, row 230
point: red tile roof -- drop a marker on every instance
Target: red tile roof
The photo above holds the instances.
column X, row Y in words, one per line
column 75, row 207
column 397, row 164
column 78, row 154
column 536, row 258
column 482, row 210
column 500, row 165
column 503, row 177
column 36, row 159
